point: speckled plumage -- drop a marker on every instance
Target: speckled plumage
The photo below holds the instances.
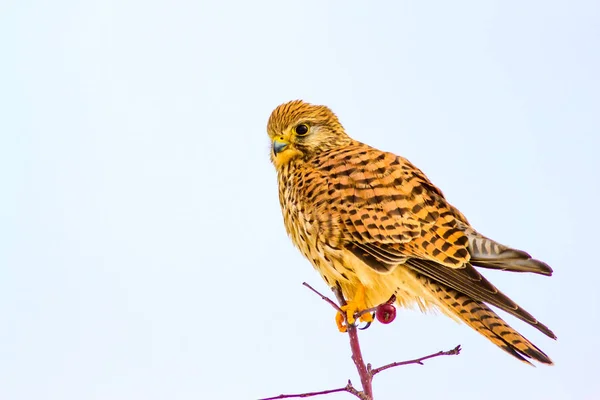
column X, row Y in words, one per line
column 367, row 217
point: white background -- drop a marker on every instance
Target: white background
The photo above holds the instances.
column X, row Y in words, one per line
column 142, row 250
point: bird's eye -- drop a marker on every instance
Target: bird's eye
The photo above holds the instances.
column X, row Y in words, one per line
column 301, row 129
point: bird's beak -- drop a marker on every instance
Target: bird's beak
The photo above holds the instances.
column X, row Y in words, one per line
column 278, row 146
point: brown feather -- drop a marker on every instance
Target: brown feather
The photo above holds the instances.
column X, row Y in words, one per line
column 479, row 317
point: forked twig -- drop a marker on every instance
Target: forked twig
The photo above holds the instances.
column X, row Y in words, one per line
column 365, row 378
column 365, row 372
column 348, row 388
column 327, row 299
column 455, row 351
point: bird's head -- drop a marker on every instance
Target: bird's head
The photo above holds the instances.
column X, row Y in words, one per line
column 300, row 130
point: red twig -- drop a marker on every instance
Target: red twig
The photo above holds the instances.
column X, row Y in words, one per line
column 348, row 388
column 365, row 372
column 327, row 299
column 455, row 351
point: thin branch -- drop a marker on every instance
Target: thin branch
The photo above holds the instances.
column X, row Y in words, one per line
column 348, row 388
column 337, row 290
column 327, row 299
column 455, row 351
column 363, row 373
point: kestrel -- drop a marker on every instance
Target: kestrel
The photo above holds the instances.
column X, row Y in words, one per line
column 373, row 224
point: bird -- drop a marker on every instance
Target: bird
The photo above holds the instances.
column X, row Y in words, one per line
column 373, row 225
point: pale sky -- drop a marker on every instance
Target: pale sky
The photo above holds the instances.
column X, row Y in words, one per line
column 142, row 249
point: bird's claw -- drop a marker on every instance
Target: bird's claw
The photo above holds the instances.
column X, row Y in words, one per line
column 366, row 326
column 340, row 321
column 353, row 308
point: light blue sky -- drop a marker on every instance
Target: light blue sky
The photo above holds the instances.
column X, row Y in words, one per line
column 142, row 250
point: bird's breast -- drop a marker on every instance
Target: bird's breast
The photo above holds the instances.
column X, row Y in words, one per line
column 304, row 222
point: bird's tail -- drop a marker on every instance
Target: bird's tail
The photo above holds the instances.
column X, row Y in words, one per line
column 485, row 321
column 487, row 253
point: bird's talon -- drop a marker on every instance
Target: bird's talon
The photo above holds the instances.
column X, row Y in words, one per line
column 353, row 308
column 340, row 322
column 366, row 326
column 350, row 310
column 367, row 317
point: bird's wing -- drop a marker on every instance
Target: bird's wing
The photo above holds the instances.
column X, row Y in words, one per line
column 389, row 210
column 389, row 214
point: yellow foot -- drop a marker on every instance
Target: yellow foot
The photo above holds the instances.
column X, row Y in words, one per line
column 340, row 322
column 356, row 305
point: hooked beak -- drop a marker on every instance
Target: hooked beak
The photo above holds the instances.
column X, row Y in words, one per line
column 279, row 146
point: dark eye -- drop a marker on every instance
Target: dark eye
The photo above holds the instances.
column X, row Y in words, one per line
column 301, row 129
